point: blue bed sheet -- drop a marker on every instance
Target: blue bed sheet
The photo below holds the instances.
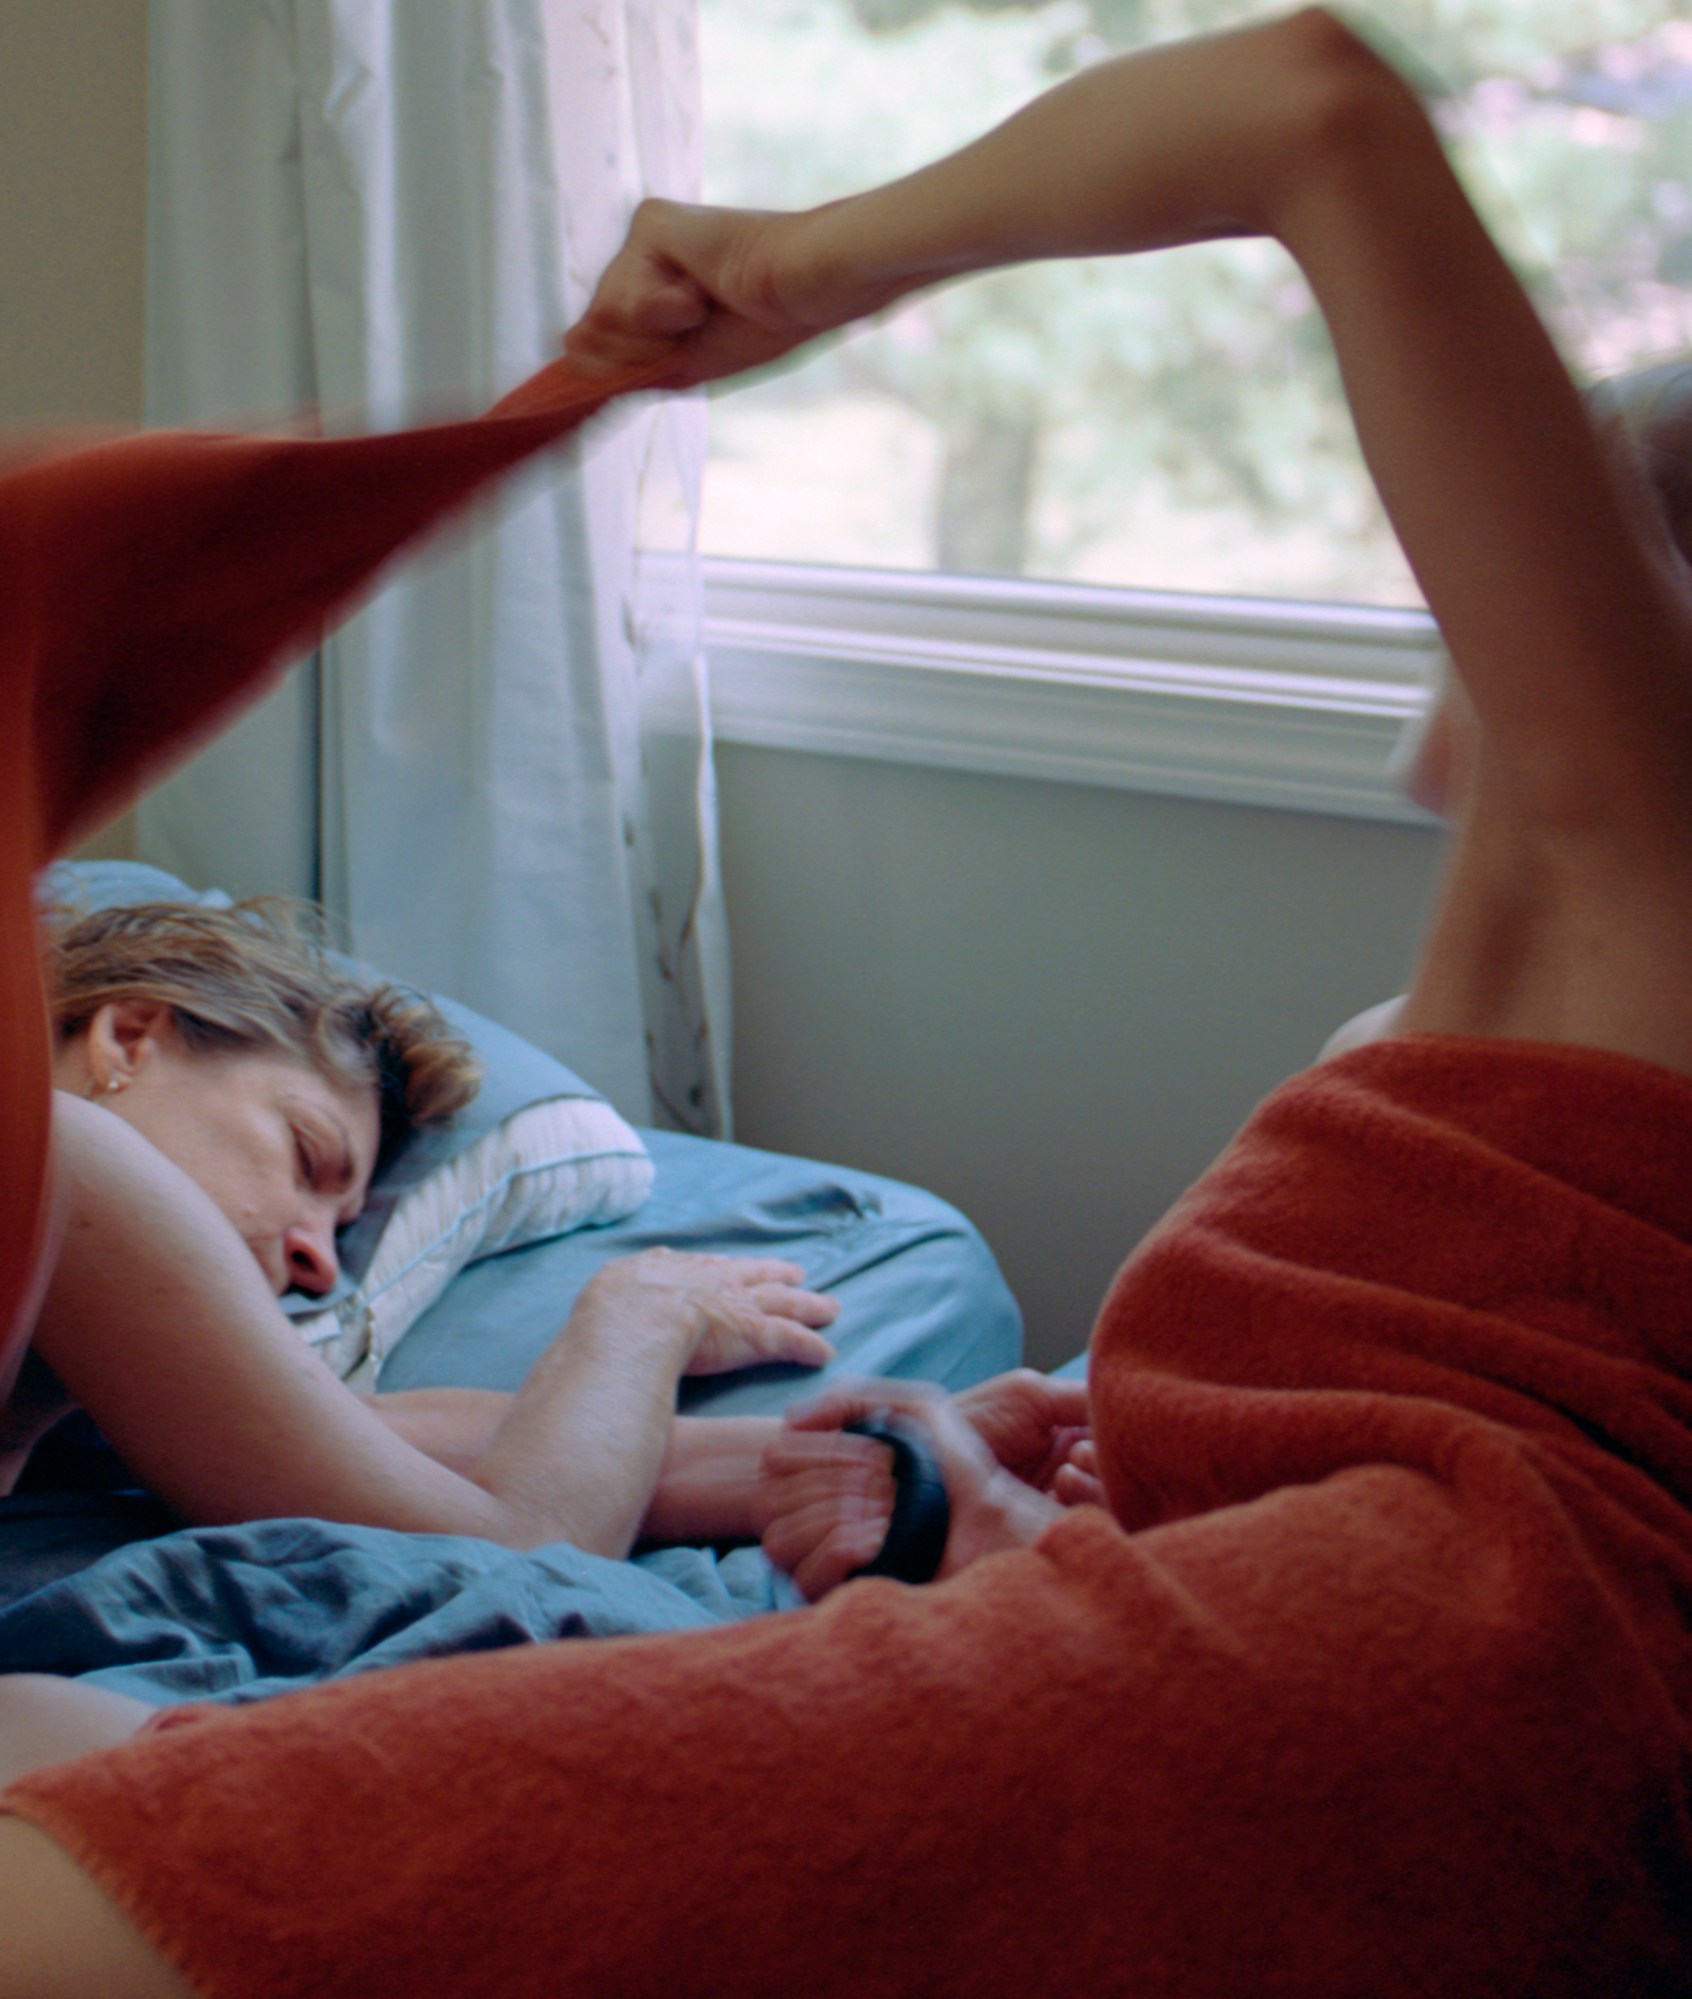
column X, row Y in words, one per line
column 238, row 1614
column 920, row 1294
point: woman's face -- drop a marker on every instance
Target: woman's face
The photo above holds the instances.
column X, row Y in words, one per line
column 285, row 1152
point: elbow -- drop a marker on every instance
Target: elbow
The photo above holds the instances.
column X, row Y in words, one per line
column 1339, row 78
column 1345, row 108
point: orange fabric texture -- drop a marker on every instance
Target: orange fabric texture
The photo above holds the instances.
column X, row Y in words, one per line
column 150, row 586
column 1378, row 1684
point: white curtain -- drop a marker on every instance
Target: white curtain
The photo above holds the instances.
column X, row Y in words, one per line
column 499, row 774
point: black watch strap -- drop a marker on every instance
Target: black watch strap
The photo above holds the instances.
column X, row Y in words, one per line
column 922, row 1514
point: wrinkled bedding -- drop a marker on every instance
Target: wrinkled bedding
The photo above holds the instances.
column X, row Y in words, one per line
column 241, row 1613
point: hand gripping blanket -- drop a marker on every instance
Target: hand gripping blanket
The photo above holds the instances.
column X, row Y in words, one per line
column 1376, row 1685
column 150, row 585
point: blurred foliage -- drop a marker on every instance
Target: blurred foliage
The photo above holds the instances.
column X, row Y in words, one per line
column 1205, row 373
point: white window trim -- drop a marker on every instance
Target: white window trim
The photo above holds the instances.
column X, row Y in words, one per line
column 1245, row 700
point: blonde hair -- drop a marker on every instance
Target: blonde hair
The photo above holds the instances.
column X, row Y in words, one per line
column 258, row 977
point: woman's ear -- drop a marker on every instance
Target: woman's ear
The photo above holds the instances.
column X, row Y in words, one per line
column 124, row 1039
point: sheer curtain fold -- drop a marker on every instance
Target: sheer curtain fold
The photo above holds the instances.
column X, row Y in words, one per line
column 499, row 773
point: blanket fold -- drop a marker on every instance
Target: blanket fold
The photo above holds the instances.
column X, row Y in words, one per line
column 1377, row 1683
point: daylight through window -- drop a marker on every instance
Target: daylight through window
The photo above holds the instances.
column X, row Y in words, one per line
column 1171, row 422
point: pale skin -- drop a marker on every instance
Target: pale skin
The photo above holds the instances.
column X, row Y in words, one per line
column 1566, row 911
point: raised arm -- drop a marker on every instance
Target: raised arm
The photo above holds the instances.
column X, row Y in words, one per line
column 1505, row 500
column 158, row 1320
column 1567, row 911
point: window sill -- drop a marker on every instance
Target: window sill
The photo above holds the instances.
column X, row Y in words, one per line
column 1246, row 701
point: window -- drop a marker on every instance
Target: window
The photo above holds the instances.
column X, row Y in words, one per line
column 1170, row 424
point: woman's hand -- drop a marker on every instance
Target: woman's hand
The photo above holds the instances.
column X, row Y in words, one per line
column 1037, row 1428
column 717, row 291
column 831, row 1493
column 723, row 1312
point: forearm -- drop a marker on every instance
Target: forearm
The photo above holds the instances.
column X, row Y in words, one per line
column 710, row 1485
column 583, row 1440
column 158, row 1321
column 1501, row 491
column 1176, row 144
column 454, row 1426
column 1502, row 495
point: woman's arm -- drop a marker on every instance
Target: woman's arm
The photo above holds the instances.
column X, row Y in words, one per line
column 714, row 1484
column 159, row 1322
column 1567, row 910
column 454, row 1426
column 1014, row 1451
column 709, row 1487
column 1505, row 500
column 831, row 1491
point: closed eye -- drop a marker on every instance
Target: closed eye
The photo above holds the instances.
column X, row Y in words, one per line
column 324, row 1155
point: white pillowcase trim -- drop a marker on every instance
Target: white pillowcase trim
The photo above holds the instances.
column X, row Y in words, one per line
column 552, row 1167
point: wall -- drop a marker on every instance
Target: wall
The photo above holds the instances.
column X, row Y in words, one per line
column 1050, row 1003
column 73, row 112
column 73, row 187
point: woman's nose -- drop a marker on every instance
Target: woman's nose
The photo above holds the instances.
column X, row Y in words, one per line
column 309, row 1251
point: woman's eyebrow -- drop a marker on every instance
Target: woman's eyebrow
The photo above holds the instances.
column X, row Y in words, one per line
column 340, row 1169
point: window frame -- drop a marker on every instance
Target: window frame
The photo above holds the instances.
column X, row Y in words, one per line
column 1241, row 700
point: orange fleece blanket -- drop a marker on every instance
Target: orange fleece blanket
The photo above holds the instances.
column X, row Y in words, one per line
column 1377, row 1685
column 151, row 585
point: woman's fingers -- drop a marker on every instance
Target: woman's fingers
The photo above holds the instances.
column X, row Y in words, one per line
column 786, row 1301
column 783, row 1340
column 749, row 1324
column 1076, row 1482
column 730, row 1311
column 820, row 1551
column 831, row 1504
column 686, row 286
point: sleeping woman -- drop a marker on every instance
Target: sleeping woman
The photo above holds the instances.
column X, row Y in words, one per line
column 1376, row 1677
column 223, row 1093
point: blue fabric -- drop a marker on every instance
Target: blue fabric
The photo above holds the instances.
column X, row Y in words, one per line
column 920, row 1295
column 241, row 1613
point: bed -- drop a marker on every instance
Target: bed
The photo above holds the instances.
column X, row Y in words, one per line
column 465, row 1263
